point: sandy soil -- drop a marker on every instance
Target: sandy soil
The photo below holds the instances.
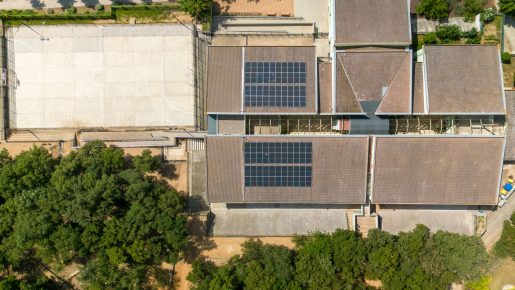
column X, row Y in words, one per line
column 255, row 7
column 503, row 274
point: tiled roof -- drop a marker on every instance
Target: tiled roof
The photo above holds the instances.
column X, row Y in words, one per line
column 360, row 22
column 463, row 79
column 437, row 170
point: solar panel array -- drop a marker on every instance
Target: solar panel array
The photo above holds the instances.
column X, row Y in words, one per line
column 271, row 164
column 275, row 84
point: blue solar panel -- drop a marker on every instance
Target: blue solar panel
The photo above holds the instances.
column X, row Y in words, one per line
column 275, row 84
column 287, row 164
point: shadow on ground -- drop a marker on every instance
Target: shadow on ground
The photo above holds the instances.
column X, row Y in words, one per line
column 198, row 228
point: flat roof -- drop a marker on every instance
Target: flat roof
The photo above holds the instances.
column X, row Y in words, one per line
column 509, row 154
column 380, row 75
column 339, row 171
column 226, row 77
column 362, row 22
column 463, row 79
column 437, row 170
column 102, row 76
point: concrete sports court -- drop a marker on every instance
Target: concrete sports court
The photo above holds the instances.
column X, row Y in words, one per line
column 102, row 76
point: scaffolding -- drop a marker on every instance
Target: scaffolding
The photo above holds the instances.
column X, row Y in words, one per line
column 448, row 125
column 292, row 125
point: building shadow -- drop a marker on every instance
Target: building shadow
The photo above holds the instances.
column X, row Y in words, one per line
column 37, row 4
column 66, row 3
column 199, row 237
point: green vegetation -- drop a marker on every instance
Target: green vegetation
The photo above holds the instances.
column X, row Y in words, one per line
column 448, row 33
column 471, row 8
column 505, row 247
column 507, row 6
column 433, row 9
column 342, row 260
column 505, row 57
column 94, row 207
column 117, row 12
column 487, row 15
column 198, row 9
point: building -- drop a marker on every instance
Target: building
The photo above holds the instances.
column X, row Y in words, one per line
column 370, row 125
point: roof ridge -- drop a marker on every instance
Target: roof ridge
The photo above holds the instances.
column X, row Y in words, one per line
column 348, row 80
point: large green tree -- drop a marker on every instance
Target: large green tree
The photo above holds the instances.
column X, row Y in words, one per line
column 94, row 206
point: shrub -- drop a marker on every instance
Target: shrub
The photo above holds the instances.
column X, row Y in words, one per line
column 473, row 33
column 71, row 10
column 487, row 15
column 475, row 40
column 505, row 247
column 506, row 57
column 50, row 11
column 514, row 79
column 507, row 6
column 198, row 9
column 430, row 38
column 448, row 33
column 472, row 8
column 433, row 9
column 99, row 7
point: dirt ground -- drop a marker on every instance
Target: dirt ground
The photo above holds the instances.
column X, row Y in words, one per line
column 503, row 274
column 255, row 7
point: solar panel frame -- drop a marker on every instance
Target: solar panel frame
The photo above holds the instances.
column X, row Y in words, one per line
column 275, row 84
column 281, row 164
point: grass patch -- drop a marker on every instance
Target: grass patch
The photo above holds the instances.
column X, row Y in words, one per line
column 118, row 13
column 152, row 12
column 502, row 274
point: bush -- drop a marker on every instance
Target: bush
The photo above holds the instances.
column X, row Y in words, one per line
column 448, row 33
column 506, row 57
column 472, row 7
column 507, row 6
column 487, row 15
column 198, row 9
column 433, row 9
column 430, row 38
column 473, row 33
column 71, row 10
column 514, row 79
column 50, row 11
column 99, row 7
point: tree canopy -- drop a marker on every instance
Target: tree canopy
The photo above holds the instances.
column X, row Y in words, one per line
column 505, row 247
column 94, row 206
column 433, row 9
column 507, row 6
column 344, row 259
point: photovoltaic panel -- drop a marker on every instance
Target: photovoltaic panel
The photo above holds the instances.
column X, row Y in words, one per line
column 275, row 84
column 269, row 164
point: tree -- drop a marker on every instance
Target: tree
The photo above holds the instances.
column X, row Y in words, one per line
column 146, row 162
column 383, row 256
column 472, row 7
column 433, row 9
column 454, row 257
column 505, row 247
column 507, row 6
column 198, row 9
column 94, row 206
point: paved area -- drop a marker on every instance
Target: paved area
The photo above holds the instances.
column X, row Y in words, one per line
column 103, row 76
column 197, row 180
column 453, row 220
column 422, row 25
column 316, row 11
column 509, row 31
column 494, row 222
column 276, row 222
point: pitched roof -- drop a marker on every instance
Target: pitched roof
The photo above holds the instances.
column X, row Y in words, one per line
column 339, row 171
column 362, row 22
column 463, row 79
column 437, row 170
column 225, row 76
column 373, row 75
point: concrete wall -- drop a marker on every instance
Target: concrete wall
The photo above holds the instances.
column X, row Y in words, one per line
column 103, row 76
